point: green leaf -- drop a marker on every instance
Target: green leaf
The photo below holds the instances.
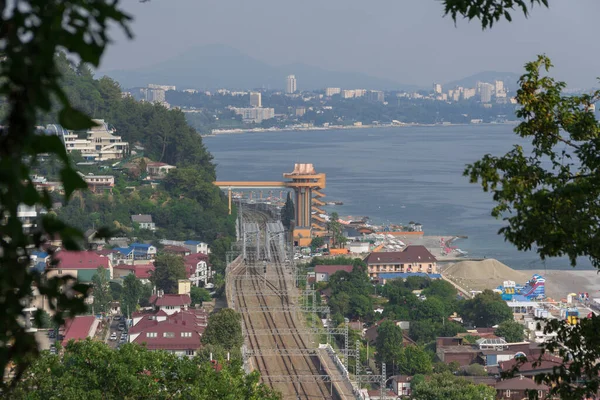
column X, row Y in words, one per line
column 72, row 181
column 71, row 118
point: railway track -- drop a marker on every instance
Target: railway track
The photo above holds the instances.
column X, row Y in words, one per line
column 276, row 364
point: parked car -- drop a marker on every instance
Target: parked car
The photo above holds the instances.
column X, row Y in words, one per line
column 117, row 317
column 121, row 327
column 53, row 349
column 113, row 336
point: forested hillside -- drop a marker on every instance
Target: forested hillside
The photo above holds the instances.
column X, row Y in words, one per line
column 186, row 205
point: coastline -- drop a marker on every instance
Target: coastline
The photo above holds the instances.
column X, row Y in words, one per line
column 217, row 132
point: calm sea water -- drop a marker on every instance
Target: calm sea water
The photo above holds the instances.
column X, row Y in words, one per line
column 391, row 175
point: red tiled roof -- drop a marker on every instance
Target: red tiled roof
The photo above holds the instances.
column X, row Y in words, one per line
column 81, row 260
column 171, row 300
column 195, row 258
column 547, row 362
column 411, row 254
column 143, row 271
column 193, row 321
column 332, row 269
column 78, row 328
column 125, row 266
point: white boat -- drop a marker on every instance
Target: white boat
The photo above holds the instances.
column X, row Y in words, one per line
column 461, row 253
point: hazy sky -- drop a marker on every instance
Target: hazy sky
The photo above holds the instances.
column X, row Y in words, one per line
column 404, row 40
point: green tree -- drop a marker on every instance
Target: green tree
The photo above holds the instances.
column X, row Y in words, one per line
column 42, row 319
column 101, row 290
column 132, row 292
column 489, row 12
column 441, row 289
column 449, row 387
column 31, row 33
column 199, row 295
column 511, row 331
column 92, row 370
column 168, row 269
column 224, row 329
column 475, row 370
column 317, row 242
column 388, row 343
column 288, row 212
column 414, row 360
column 431, row 308
column 334, row 226
column 486, row 309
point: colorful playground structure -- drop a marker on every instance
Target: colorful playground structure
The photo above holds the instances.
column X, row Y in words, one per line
column 534, row 289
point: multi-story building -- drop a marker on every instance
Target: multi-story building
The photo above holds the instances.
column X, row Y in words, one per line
column 437, row 88
column 79, row 264
column 468, row 93
column 255, row 114
column 376, row 96
column 485, row 90
column 498, row 87
column 155, row 95
column 412, row 259
column 300, row 111
column 360, row 92
column 255, row 99
column 162, row 87
column 348, row 94
column 99, row 183
column 198, row 269
column 331, row 91
column 290, row 86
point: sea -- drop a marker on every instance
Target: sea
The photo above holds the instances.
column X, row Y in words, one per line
column 392, row 175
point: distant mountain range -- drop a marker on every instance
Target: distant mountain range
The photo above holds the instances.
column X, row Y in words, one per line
column 219, row 66
column 510, row 80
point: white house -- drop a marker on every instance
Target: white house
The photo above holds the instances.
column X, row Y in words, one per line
column 144, row 220
column 197, row 268
column 196, row 246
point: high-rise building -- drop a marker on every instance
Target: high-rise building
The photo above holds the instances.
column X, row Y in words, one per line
column 255, row 114
column 291, row 84
column 163, row 87
column 255, row 99
column 348, row 94
column 330, row 91
column 468, row 93
column 499, row 87
column 485, row 92
column 376, row 96
column 437, row 88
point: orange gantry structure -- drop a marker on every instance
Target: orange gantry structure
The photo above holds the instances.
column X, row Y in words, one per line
column 306, row 184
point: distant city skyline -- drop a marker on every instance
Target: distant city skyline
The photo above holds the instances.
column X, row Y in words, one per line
column 390, row 36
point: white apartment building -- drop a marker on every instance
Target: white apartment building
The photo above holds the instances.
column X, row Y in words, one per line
column 331, row 91
column 347, row 94
column 290, row 84
column 437, row 88
column 255, row 114
column 99, row 145
column 468, row 93
column 255, row 99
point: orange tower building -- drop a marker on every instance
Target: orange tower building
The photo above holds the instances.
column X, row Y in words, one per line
column 305, row 181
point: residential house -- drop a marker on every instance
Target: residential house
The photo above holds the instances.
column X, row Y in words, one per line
column 546, row 364
column 143, row 251
column 144, row 221
column 170, row 303
column 177, row 250
column 517, row 388
column 412, row 259
column 198, row 269
column 99, row 183
column 79, row 264
column 141, row 271
column 123, row 255
column 489, row 352
column 196, row 246
column 79, row 328
column 323, row 272
column 179, row 333
column 158, row 169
